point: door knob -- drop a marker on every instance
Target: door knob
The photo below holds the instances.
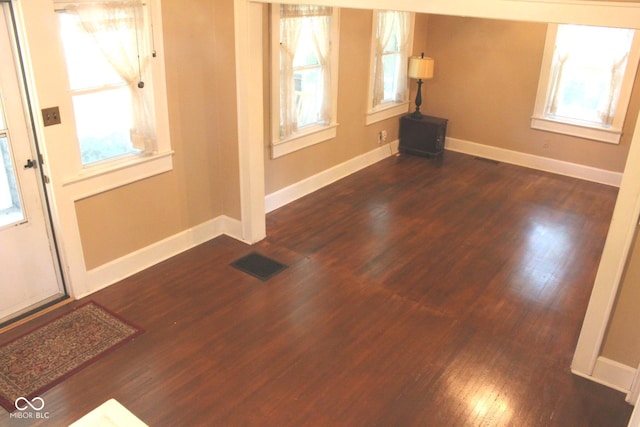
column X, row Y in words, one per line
column 30, row 164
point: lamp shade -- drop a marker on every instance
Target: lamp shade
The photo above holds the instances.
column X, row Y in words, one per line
column 420, row 67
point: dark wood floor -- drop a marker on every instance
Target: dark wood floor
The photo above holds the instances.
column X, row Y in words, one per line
column 419, row 292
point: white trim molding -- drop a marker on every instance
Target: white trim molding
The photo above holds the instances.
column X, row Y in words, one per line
column 612, row 264
column 535, row 162
column 100, row 179
column 134, row 262
column 248, row 58
column 611, row 136
column 583, row 12
column 634, row 393
column 634, row 421
column 385, row 112
column 308, row 185
column 297, row 142
column 612, row 374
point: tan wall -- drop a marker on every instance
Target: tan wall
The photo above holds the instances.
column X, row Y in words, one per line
column 353, row 136
column 199, row 59
column 621, row 341
column 485, row 83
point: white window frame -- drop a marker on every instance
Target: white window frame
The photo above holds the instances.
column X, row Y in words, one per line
column 611, row 134
column 87, row 180
column 386, row 110
column 310, row 135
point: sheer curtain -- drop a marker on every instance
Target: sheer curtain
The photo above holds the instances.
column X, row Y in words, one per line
column 404, row 29
column 608, row 111
column 292, row 18
column 289, row 35
column 389, row 23
column 322, row 43
column 559, row 60
column 600, row 54
column 118, row 30
column 384, row 31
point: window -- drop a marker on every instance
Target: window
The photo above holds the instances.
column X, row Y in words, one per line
column 10, row 203
column 586, row 80
column 107, row 60
column 391, row 44
column 304, row 76
column 116, row 85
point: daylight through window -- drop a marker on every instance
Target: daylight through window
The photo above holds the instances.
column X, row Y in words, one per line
column 305, row 79
column 586, row 80
column 588, row 67
column 392, row 30
column 107, row 57
column 304, row 70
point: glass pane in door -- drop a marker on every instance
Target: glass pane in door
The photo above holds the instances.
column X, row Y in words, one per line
column 10, row 206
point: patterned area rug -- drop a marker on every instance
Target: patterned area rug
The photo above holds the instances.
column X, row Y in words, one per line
column 44, row 357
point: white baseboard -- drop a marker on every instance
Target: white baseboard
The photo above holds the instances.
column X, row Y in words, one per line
column 634, row 393
column 612, row 374
column 116, row 270
column 546, row 164
column 107, row 274
column 308, row 185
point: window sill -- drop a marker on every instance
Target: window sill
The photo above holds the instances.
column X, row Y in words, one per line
column 300, row 141
column 99, row 179
column 611, row 136
column 383, row 113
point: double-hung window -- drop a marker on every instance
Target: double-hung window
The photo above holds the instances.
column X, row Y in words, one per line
column 111, row 65
column 390, row 47
column 304, row 76
column 586, row 80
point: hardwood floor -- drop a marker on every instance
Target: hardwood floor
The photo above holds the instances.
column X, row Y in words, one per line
column 418, row 293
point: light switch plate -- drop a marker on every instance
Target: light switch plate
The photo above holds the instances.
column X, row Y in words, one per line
column 51, row 116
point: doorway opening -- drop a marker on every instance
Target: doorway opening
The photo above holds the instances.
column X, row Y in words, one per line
column 31, row 277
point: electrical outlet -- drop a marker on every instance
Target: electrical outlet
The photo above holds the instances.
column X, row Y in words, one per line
column 51, row 116
column 382, row 136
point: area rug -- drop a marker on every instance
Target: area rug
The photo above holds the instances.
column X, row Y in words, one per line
column 42, row 358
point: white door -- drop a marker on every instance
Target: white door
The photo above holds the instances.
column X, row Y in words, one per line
column 29, row 276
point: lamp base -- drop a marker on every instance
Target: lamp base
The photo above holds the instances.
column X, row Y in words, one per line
column 417, row 114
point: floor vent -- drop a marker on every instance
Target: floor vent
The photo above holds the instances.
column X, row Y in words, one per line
column 258, row 266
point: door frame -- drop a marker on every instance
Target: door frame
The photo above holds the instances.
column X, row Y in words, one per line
column 21, row 70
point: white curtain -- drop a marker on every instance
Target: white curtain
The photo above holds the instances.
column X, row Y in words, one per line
column 292, row 17
column 289, row 35
column 384, row 31
column 559, row 60
column 322, row 43
column 608, row 112
column 118, row 30
column 388, row 23
column 404, row 28
column 601, row 52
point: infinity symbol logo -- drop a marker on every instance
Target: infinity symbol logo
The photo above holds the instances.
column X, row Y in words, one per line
column 22, row 403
